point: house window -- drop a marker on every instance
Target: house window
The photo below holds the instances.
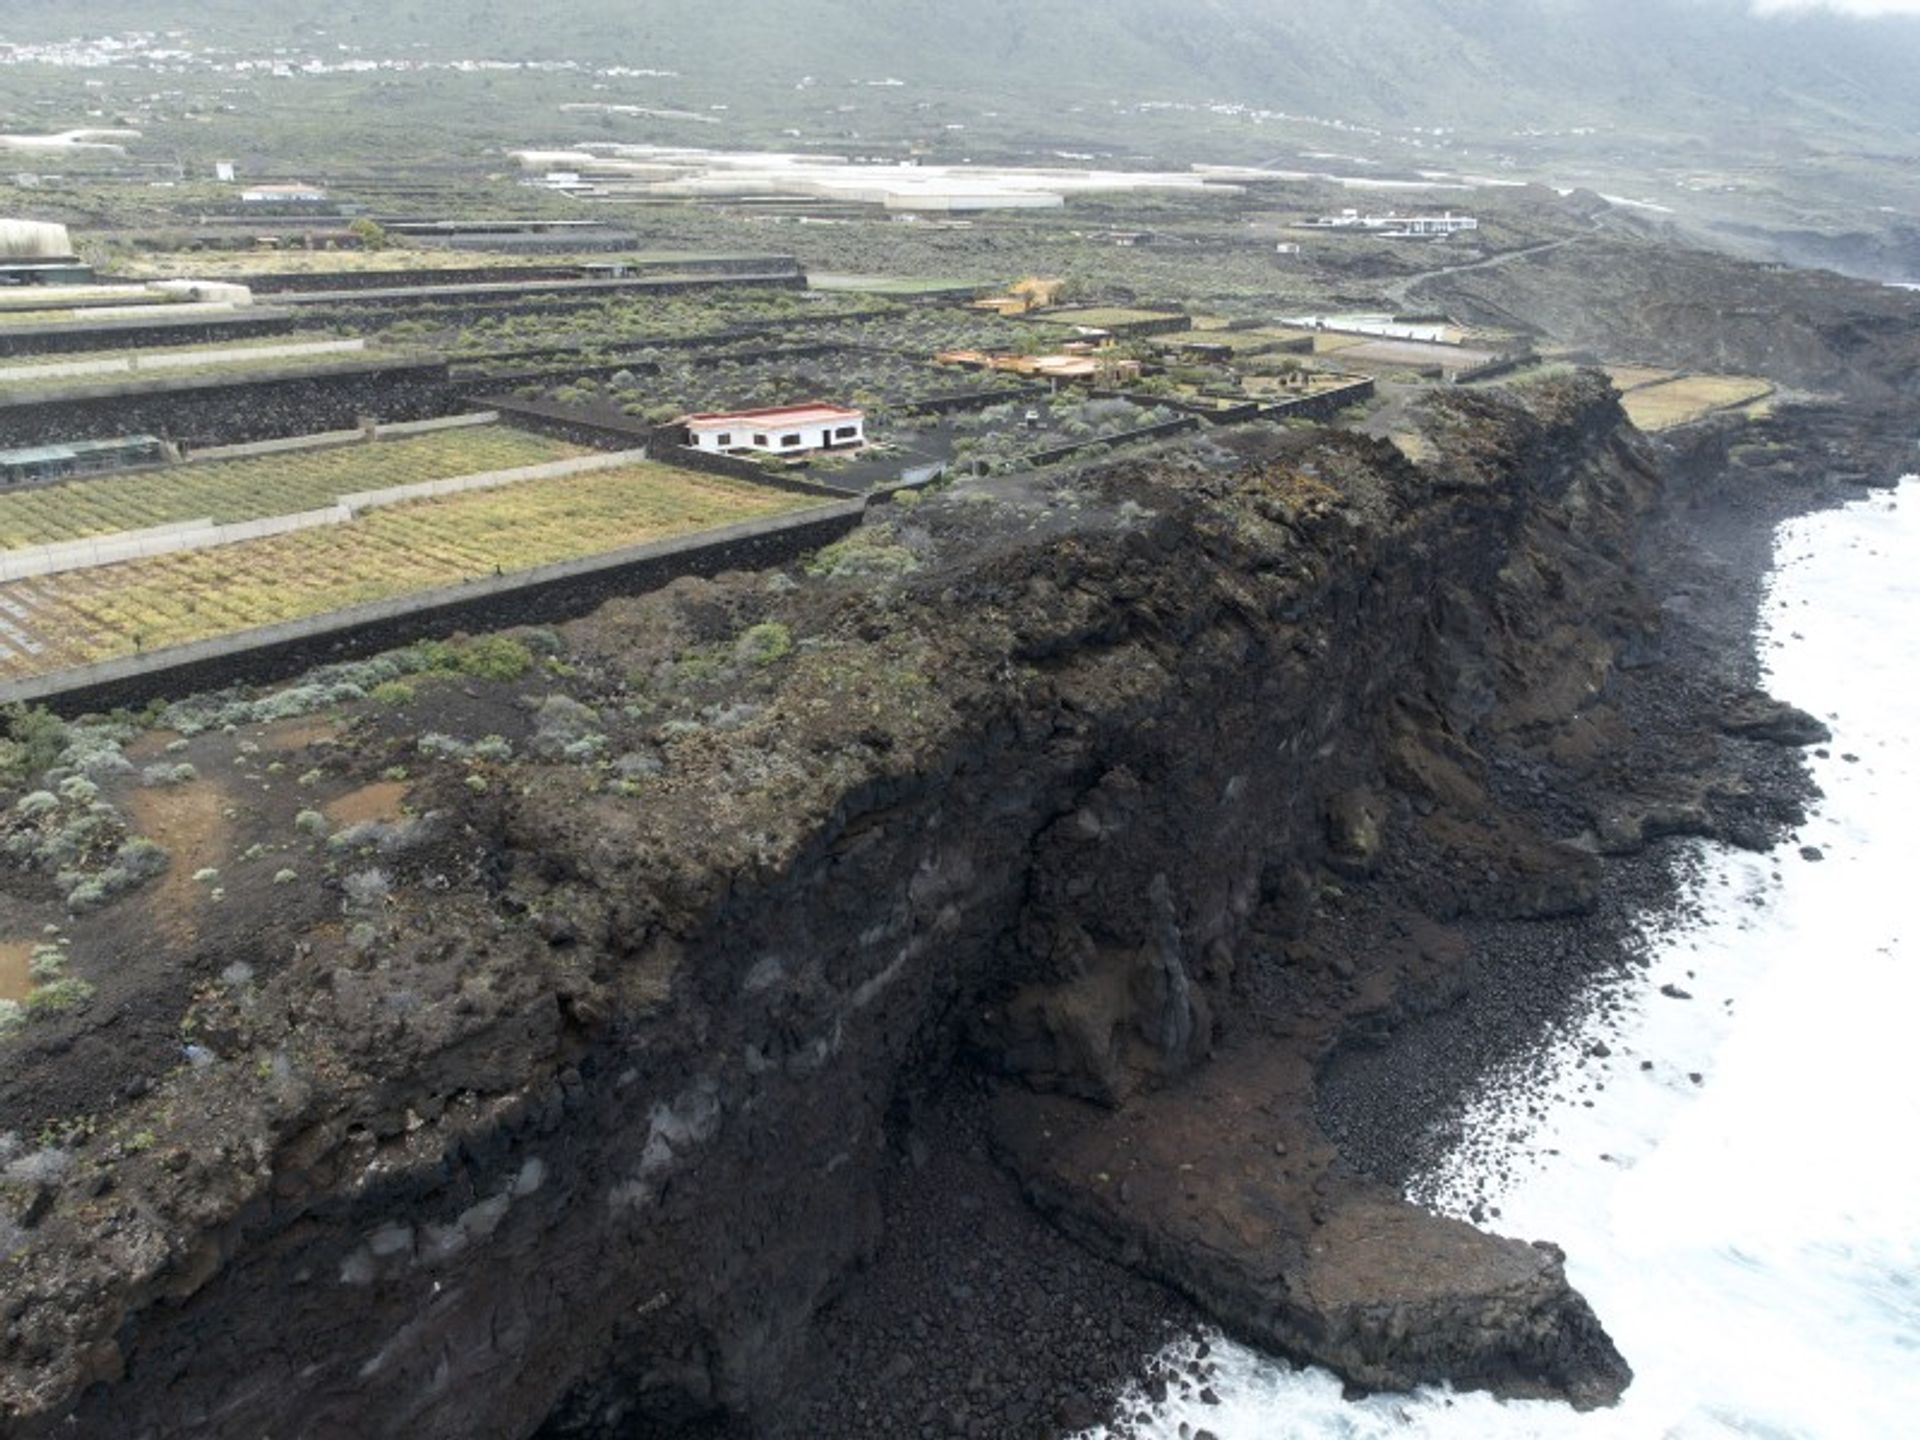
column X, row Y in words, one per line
column 788, row 442
column 846, row 432
column 760, row 441
column 724, row 440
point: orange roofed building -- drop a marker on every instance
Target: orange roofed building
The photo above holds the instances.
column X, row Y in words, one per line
column 782, row 430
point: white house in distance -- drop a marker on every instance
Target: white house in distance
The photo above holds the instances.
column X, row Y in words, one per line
column 294, row 194
column 782, row 430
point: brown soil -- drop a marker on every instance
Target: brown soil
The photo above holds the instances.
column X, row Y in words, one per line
column 379, row 801
column 298, row 735
column 191, row 822
column 15, row 981
column 150, row 746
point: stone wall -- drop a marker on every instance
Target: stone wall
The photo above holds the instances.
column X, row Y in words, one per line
column 117, row 334
column 201, row 411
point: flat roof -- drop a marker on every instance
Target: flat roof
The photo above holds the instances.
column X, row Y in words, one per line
column 778, row 414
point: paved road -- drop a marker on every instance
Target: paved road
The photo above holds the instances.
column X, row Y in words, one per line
column 1399, row 291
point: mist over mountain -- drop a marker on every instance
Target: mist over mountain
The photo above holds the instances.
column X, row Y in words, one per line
column 1712, row 68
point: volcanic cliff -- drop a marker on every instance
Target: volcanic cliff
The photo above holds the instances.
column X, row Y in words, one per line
column 534, row 1035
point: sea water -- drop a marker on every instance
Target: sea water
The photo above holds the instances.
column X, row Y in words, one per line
column 1745, row 1215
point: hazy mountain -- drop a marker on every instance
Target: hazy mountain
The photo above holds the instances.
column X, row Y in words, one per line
column 1707, row 67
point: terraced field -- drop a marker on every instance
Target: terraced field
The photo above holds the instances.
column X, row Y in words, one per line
column 228, row 490
column 1102, row 316
column 53, row 622
column 1670, row 403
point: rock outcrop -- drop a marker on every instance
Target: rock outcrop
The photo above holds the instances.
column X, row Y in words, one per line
column 574, row 1085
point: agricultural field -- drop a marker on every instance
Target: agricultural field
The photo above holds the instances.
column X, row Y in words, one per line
column 17, row 366
column 184, row 362
column 1664, row 405
column 920, row 331
column 1102, row 317
column 239, row 264
column 889, row 284
column 616, row 324
column 53, row 622
column 252, row 488
column 684, row 382
column 997, row 440
column 1241, row 342
column 1636, row 377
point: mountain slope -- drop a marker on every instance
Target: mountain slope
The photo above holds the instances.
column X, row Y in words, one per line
column 1691, row 65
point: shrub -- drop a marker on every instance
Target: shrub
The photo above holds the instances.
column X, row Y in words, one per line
column 140, row 860
column 393, row 693
column 495, row 657
column 485, row 657
column 311, row 822
column 492, row 747
column 764, row 644
column 60, row 997
column 34, row 740
column 442, row 747
column 562, row 724
column 865, row 554
column 78, row 790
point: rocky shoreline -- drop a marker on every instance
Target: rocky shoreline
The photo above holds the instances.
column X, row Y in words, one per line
column 748, row 959
column 1070, row 1331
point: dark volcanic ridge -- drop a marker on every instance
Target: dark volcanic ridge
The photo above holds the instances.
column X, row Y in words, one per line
column 1173, row 843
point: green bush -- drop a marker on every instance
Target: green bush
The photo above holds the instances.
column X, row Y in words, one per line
column 764, row 644
column 59, row 997
column 31, row 740
column 392, row 693
column 485, row 657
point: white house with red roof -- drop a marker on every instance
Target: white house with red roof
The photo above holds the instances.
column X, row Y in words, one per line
column 782, row 430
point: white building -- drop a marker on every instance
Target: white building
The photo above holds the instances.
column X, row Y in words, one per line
column 782, row 430
column 283, row 195
column 1393, row 227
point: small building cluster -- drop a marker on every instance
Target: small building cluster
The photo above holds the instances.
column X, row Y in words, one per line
column 1393, row 227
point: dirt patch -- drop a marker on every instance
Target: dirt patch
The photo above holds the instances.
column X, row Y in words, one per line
column 16, row 981
column 297, row 735
column 149, row 746
column 379, row 801
column 191, row 822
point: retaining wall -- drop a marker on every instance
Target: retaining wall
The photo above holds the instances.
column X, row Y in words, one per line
column 548, row 595
column 295, row 281
column 529, row 293
column 1125, row 437
column 1324, row 406
column 565, row 422
column 202, row 411
column 1503, row 365
column 162, row 329
column 138, row 366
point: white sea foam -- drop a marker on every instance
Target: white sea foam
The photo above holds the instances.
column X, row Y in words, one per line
column 1751, row 1241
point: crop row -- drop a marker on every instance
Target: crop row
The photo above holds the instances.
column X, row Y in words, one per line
column 117, row 610
column 283, row 484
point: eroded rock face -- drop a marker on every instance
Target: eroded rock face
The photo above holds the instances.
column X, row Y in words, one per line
column 593, row 1105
